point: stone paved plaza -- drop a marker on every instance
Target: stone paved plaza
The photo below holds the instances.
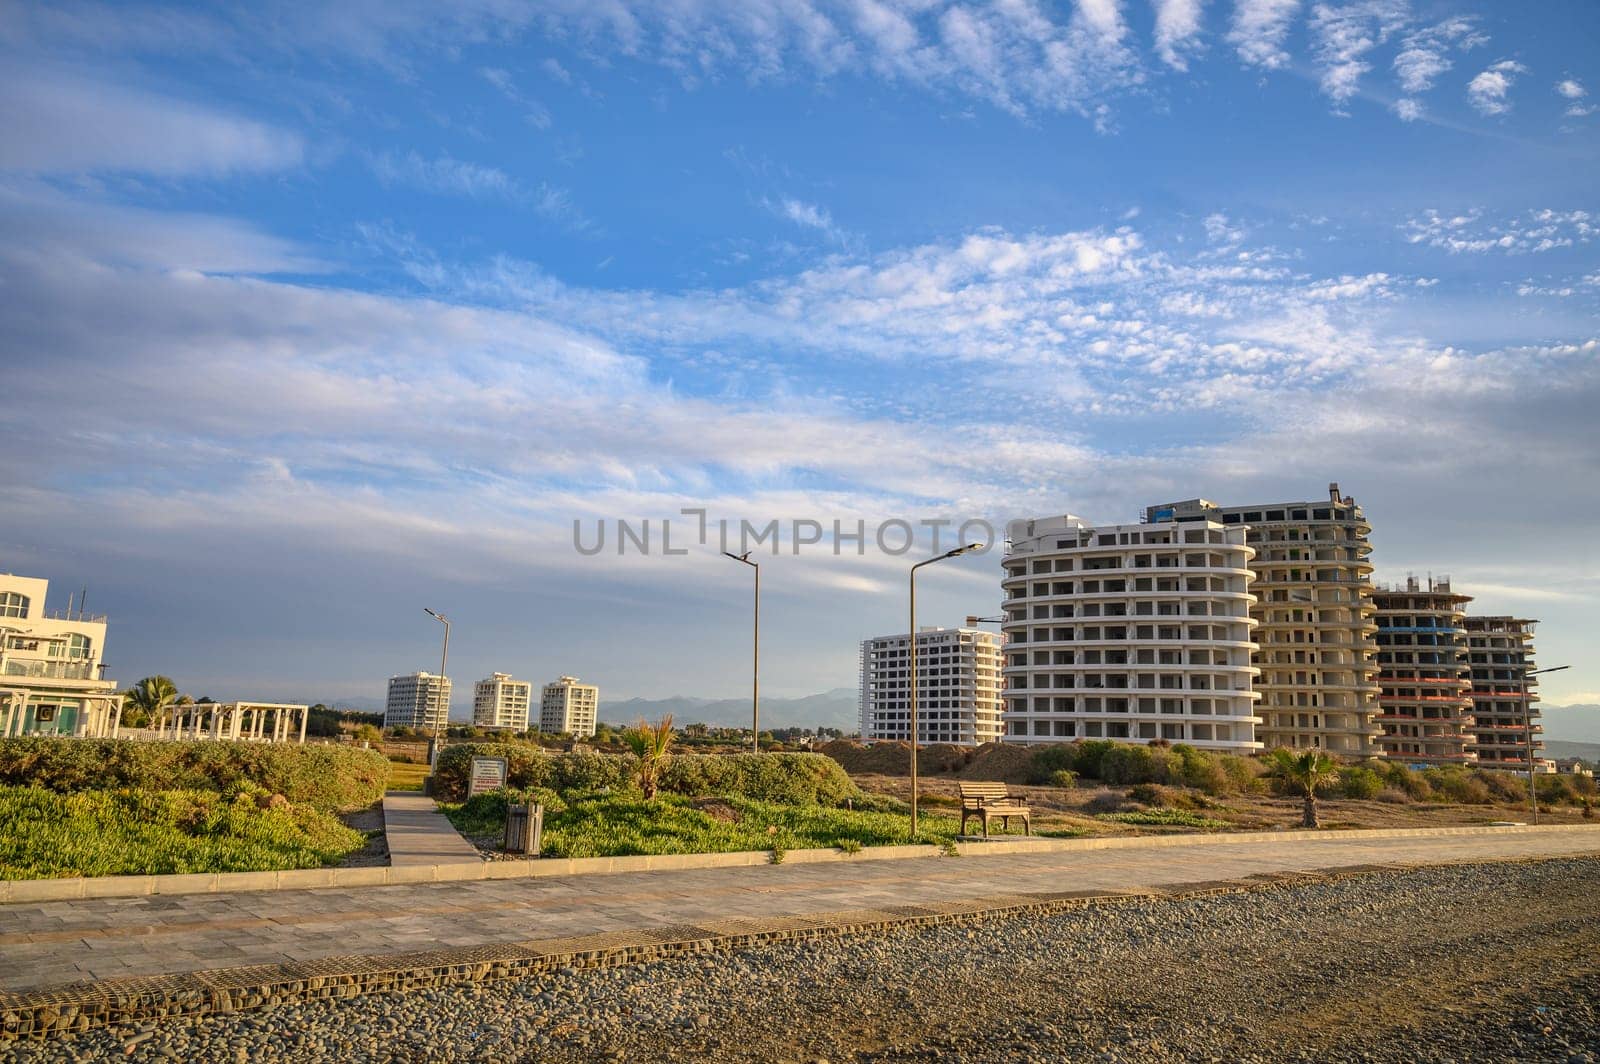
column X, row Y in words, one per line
column 49, row 944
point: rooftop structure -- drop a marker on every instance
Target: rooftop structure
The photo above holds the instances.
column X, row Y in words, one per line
column 52, row 679
column 958, row 686
column 1313, row 592
column 1425, row 684
column 270, row 722
column 1130, row 632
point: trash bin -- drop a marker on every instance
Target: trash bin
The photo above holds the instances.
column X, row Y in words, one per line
column 524, row 828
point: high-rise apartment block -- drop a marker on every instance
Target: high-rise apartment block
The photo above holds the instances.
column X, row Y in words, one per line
column 501, row 702
column 569, row 707
column 51, row 679
column 418, row 700
column 1129, row 632
column 1425, row 684
column 958, row 686
column 1318, row 652
column 1504, row 696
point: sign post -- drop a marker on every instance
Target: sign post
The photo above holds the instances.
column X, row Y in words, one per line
column 487, row 774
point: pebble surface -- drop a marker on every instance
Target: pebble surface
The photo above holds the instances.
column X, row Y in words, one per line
column 1487, row 962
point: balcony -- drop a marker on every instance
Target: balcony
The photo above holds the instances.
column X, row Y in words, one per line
column 50, row 670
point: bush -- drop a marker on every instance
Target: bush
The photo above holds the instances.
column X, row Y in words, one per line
column 1196, row 768
column 329, row 777
column 1064, row 778
column 1556, row 789
column 485, row 814
column 46, row 834
column 1394, row 796
column 1360, row 782
column 1147, row 794
column 790, row 778
column 1504, row 786
column 1457, row 785
column 1133, row 764
column 1088, row 757
column 1175, row 818
column 1048, row 760
column 1243, row 773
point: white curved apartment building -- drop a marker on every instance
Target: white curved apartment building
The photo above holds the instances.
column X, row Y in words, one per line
column 958, row 687
column 1129, row 632
column 1318, row 636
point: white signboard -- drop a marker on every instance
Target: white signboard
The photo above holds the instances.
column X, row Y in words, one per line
column 488, row 774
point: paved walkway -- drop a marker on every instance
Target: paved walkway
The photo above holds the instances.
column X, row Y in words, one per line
column 53, row 943
column 418, row 834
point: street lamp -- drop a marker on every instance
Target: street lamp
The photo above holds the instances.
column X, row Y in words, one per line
column 973, row 622
column 911, row 653
column 444, row 662
column 755, row 655
column 1527, row 724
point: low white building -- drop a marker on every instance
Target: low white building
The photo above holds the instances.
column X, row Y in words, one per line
column 569, row 707
column 501, row 702
column 1129, row 632
column 418, row 700
column 51, row 677
column 958, row 686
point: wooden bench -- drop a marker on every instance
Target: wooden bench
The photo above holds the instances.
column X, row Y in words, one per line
column 985, row 800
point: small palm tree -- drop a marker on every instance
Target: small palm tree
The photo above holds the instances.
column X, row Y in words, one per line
column 1303, row 773
column 651, row 744
column 144, row 702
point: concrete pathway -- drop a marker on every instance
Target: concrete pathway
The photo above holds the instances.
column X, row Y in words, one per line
column 418, row 834
column 53, row 943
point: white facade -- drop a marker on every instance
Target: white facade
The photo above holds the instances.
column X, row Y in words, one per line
column 1319, row 650
column 418, row 700
column 51, row 678
column 1129, row 632
column 958, row 687
column 569, row 707
column 501, row 702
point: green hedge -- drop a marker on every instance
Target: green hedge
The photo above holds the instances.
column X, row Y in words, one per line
column 44, row 834
column 1123, row 764
column 794, row 779
column 328, row 777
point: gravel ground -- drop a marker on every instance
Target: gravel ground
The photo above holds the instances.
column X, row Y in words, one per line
column 1487, row 962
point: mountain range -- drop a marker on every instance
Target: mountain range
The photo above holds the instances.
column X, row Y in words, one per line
column 838, row 708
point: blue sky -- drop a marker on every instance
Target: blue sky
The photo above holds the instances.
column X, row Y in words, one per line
column 314, row 315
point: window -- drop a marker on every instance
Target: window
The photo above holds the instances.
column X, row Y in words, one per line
column 79, row 646
column 13, row 604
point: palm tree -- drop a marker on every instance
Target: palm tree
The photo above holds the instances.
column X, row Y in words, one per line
column 146, row 700
column 1304, row 773
column 650, row 743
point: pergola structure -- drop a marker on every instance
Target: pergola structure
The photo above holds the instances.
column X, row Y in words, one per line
column 273, row 722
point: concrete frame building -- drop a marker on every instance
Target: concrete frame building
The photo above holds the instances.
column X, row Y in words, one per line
column 1130, row 632
column 1425, row 683
column 51, row 676
column 418, row 700
column 958, row 686
column 1504, row 697
column 501, row 702
column 569, row 707
column 272, row 722
column 1317, row 635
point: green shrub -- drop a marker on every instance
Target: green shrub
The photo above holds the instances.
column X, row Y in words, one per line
column 1088, row 757
column 1196, row 768
column 45, row 834
column 1048, row 760
column 1503, row 786
column 1457, row 785
column 1556, row 789
column 1147, row 794
column 1178, row 818
column 1064, row 778
column 1129, row 763
column 1396, row 775
column 325, row 776
column 1243, row 773
column 1360, row 781
column 792, row 778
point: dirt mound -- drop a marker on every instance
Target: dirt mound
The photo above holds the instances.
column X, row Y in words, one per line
column 894, row 759
column 1001, row 762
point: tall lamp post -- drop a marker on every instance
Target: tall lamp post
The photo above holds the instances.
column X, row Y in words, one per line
column 911, row 654
column 444, row 663
column 1527, row 724
column 755, row 655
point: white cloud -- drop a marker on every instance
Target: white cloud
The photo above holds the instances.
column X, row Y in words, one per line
column 1408, row 110
column 1177, row 30
column 808, row 216
column 1571, row 89
column 1344, row 35
column 1425, row 54
column 448, row 176
column 534, row 113
column 1487, row 92
column 1260, row 28
column 53, row 122
column 1530, row 232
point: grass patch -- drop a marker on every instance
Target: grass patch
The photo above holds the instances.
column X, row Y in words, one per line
column 1166, row 818
column 405, row 777
column 625, row 825
column 136, row 832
